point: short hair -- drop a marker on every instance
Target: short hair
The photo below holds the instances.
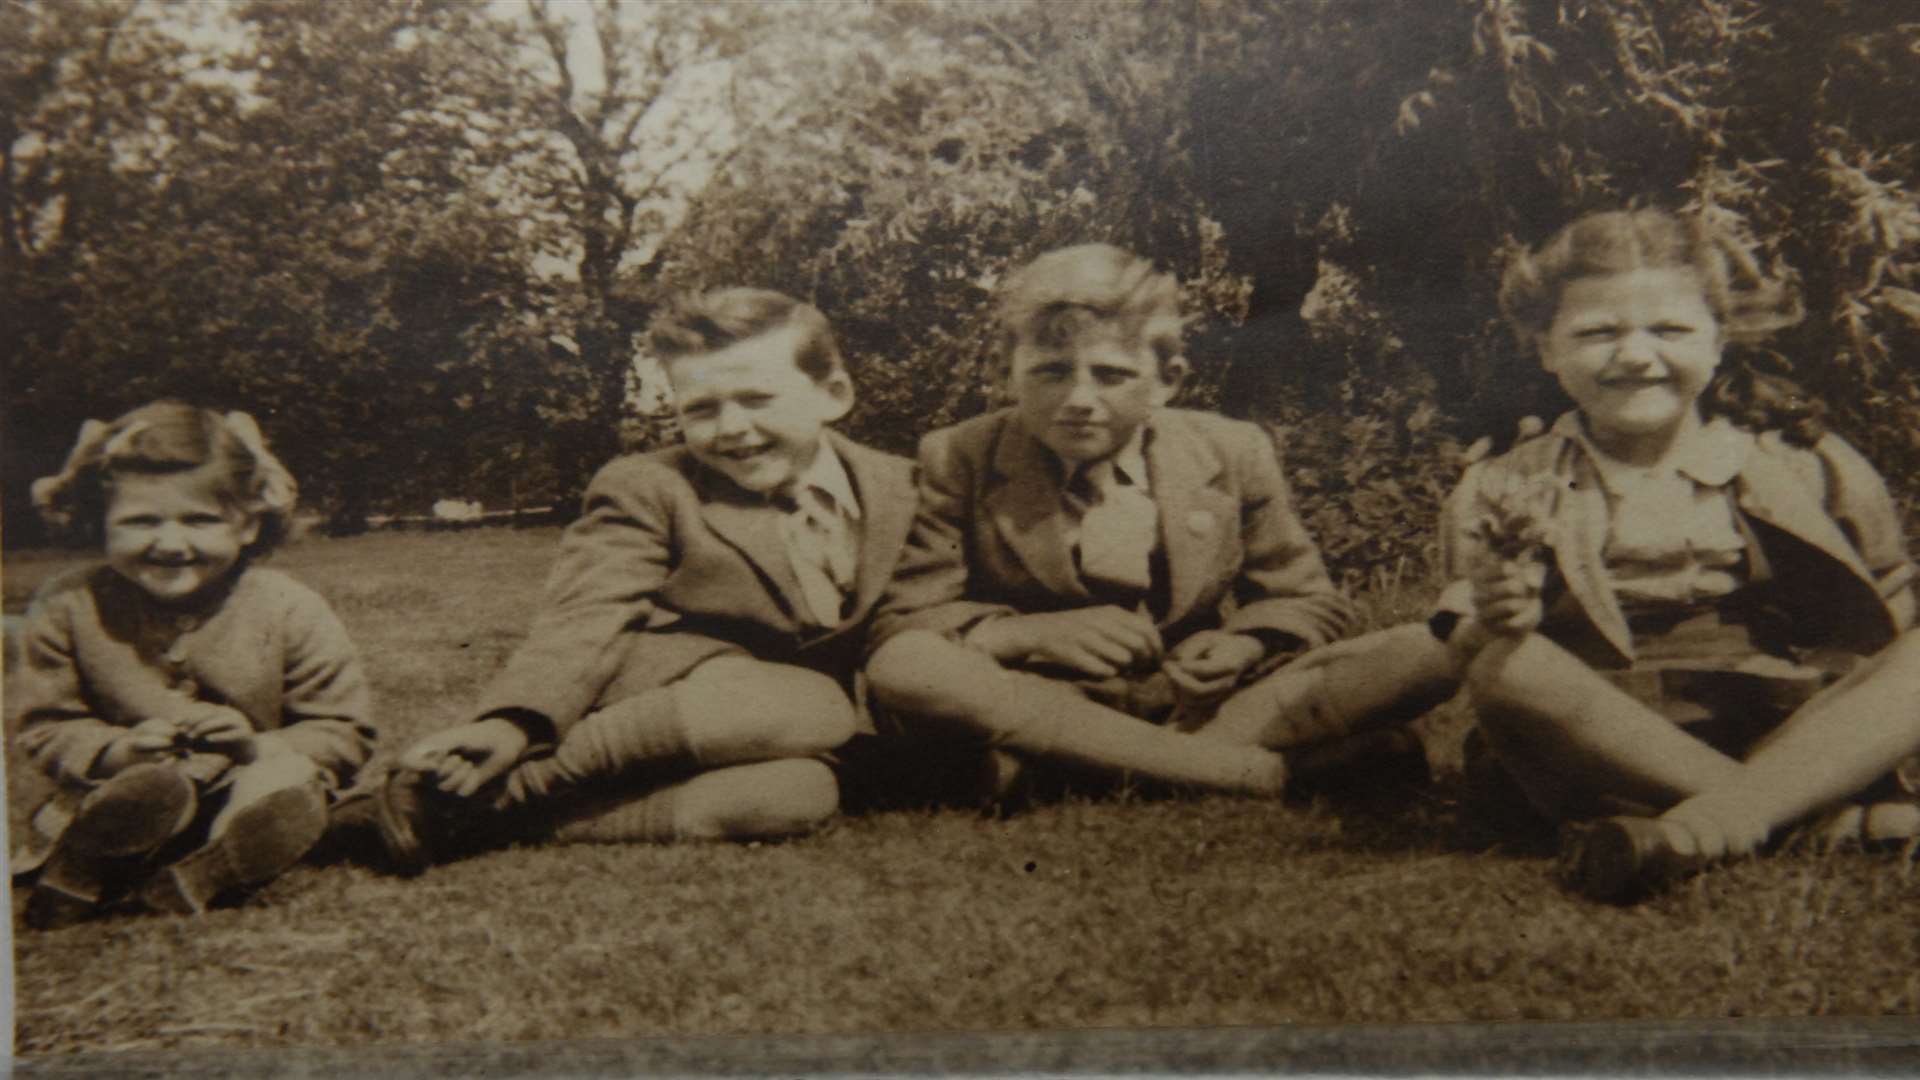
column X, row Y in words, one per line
column 1749, row 303
column 162, row 438
column 1056, row 296
column 708, row 322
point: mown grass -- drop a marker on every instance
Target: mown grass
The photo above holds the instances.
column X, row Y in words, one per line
column 1362, row 905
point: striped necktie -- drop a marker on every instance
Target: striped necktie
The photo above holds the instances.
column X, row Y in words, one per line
column 817, row 545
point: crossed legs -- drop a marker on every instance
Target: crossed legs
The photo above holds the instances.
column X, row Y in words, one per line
column 728, row 751
column 943, row 688
column 1573, row 739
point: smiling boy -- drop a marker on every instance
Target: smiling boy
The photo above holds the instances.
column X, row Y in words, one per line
column 1097, row 579
column 704, row 620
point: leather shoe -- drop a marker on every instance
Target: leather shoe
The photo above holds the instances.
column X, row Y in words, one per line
column 420, row 825
column 1620, row 859
column 108, row 845
column 260, row 841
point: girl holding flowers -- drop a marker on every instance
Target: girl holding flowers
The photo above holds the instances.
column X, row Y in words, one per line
column 1684, row 608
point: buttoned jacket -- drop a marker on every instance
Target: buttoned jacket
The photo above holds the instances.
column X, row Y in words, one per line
column 991, row 537
column 671, row 564
column 99, row 656
column 1818, row 519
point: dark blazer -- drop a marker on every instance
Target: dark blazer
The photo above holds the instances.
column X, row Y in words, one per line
column 1820, row 517
column 671, row 564
column 991, row 535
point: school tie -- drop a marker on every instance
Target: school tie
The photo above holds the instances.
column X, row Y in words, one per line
column 1118, row 531
column 822, row 557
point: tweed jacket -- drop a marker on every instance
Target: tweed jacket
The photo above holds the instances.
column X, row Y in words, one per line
column 99, row 657
column 1819, row 519
column 990, row 538
column 671, row 564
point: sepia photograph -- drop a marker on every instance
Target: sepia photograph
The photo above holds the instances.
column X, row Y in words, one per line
column 594, row 537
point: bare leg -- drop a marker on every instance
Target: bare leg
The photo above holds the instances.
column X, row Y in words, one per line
column 741, row 802
column 950, row 688
column 1833, row 747
column 1545, row 705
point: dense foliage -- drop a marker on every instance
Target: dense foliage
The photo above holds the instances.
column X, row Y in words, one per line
column 419, row 237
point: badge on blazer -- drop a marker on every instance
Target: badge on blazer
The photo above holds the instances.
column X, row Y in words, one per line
column 1200, row 522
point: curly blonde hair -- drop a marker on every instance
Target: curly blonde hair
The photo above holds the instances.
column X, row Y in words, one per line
column 169, row 437
column 1750, row 302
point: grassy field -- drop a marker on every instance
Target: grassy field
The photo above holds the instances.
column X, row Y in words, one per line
column 1355, row 905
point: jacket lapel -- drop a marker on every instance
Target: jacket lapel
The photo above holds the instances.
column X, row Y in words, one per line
column 1580, row 525
column 1768, row 491
column 887, row 502
column 1027, row 511
column 1194, row 512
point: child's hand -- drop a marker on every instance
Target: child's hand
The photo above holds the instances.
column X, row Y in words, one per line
column 219, row 729
column 1211, row 662
column 1506, row 595
column 1098, row 642
column 465, row 758
column 149, row 740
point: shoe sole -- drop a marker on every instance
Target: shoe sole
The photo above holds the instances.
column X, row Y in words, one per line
column 120, row 825
column 260, row 843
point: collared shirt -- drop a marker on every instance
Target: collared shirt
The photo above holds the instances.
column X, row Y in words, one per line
column 1112, row 523
column 1125, row 467
column 1672, row 535
column 822, row 533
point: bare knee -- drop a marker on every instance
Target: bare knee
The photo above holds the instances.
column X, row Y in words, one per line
column 922, row 673
column 738, row 709
column 1511, row 674
column 773, row 798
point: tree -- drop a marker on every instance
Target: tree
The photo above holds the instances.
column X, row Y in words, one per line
column 93, row 100
column 596, row 167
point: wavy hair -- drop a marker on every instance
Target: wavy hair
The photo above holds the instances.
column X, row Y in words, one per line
column 166, row 437
column 710, row 321
column 1056, row 296
column 1753, row 387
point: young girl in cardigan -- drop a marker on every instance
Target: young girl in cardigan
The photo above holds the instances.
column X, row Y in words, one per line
column 193, row 709
column 1690, row 604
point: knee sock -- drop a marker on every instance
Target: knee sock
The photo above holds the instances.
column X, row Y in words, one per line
column 1353, row 687
column 766, row 799
column 1060, row 723
column 641, row 733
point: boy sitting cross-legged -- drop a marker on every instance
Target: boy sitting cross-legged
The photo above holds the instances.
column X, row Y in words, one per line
column 703, row 621
column 1100, row 580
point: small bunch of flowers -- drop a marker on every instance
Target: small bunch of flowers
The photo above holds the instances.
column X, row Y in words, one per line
column 1516, row 512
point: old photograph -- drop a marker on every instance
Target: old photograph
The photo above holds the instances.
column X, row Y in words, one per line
column 560, row 520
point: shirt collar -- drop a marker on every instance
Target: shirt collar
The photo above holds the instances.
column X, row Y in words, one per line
column 1711, row 457
column 1129, row 461
column 828, row 474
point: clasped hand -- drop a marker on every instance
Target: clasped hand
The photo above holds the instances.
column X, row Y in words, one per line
column 1101, row 642
column 202, row 726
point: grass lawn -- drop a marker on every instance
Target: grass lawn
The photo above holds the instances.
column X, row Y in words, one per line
column 1376, row 906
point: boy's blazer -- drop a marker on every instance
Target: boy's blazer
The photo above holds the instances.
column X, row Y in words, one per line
column 671, row 564
column 991, row 534
column 1819, row 518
